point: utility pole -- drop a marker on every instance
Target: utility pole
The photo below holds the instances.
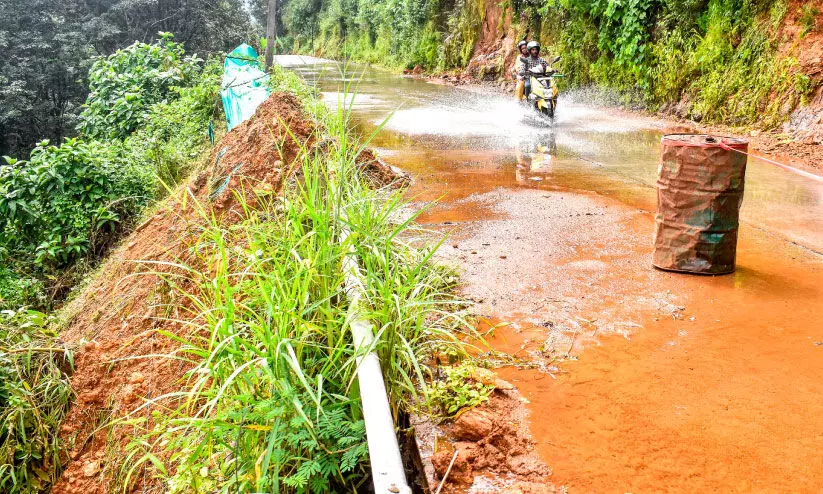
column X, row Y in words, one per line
column 271, row 32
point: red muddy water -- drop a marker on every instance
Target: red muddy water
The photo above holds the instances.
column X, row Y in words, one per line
column 636, row 380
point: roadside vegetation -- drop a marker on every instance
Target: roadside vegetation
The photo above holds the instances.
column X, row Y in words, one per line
column 34, row 397
column 142, row 128
column 718, row 58
column 271, row 402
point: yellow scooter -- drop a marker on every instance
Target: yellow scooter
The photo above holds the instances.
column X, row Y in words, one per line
column 543, row 94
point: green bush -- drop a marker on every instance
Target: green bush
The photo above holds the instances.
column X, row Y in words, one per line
column 34, row 397
column 68, row 202
column 174, row 132
column 123, row 86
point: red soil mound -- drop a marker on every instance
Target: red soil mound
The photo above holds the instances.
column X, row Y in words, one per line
column 114, row 321
column 491, row 441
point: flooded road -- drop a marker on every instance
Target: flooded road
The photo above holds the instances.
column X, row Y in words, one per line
column 637, row 380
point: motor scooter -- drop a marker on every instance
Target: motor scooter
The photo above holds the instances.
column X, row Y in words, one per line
column 543, row 95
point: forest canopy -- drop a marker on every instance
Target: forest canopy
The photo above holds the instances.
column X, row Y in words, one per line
column 49, row 46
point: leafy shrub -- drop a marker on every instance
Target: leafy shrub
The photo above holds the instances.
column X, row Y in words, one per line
column 34, row 396
column 460, row 389
column 67, row 202
column 174, row 131
column 125, row 84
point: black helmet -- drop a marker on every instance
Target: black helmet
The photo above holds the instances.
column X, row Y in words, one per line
column 533, row 44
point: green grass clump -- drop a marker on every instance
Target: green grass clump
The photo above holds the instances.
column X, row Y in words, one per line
column 808, row 18
column 459, row 389
column 34, row 397
column 270, row 403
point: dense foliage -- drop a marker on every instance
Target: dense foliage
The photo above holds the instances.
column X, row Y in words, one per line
column 143, row 125
column 49, row 45
column 717, row 56
column 720, row 58
column 66, row 200
column 34, row 397
column 398, row 32
column 124, row 85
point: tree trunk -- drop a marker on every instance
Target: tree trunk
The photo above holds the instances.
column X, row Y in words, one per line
column 271, row 32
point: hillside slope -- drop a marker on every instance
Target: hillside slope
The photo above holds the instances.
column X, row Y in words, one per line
column 752, row 64
column 121, row 362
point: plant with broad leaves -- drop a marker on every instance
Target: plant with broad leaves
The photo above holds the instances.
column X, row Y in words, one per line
column 459, row 390
column 67, row 201
column 124, row 85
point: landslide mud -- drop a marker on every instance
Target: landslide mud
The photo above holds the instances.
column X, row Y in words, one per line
column 488, row 449
column 640, row 380
column 122, row 361
column 634, row 380
column 725, row 397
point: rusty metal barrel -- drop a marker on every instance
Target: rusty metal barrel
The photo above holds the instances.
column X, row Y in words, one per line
column 699, row 193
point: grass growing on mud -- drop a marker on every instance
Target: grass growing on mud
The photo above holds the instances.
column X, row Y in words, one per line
column 270, row 402
column 34, row 397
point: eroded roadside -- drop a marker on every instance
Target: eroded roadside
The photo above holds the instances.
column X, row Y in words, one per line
column 627, row 378
column 639, row 379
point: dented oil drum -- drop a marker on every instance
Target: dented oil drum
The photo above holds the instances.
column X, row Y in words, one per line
column 699, row 193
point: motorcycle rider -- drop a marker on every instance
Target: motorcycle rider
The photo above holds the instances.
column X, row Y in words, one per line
column 530, row 62
column 524, row 53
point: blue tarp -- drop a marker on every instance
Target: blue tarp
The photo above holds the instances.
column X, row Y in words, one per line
column 244, row 85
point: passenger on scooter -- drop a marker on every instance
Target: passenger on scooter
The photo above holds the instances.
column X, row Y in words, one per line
column 524, row 53
column 532, row 61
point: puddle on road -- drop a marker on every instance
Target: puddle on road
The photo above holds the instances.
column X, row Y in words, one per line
column 725, row 395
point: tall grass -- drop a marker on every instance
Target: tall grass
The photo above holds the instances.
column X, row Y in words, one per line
column 34, row 397
column 270, row 403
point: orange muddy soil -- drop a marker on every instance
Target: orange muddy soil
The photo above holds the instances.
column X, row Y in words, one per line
column 122, row 361
column 674, row 383
column 730, row 401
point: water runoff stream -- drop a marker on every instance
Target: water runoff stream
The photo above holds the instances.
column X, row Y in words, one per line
column 648, row 381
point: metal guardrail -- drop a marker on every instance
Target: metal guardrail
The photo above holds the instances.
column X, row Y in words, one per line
column 388, row 473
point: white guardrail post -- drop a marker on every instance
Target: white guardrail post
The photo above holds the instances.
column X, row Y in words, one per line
column 384, row 452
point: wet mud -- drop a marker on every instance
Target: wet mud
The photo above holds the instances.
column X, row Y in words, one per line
column 123, row 362
column 724, row 395
column 633, row 379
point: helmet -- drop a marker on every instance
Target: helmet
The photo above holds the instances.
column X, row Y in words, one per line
column 533, row 44
column 521, row 43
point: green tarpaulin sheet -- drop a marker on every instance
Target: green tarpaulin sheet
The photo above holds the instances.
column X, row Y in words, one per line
column 244, row 85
